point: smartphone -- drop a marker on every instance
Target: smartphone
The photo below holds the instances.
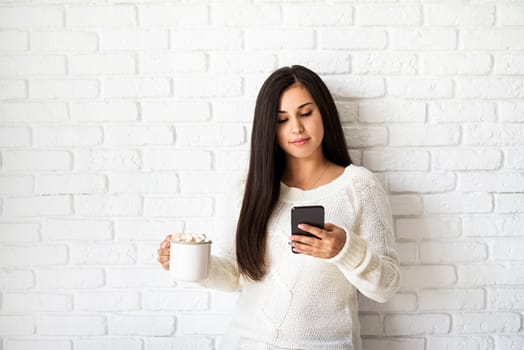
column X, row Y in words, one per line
column 312, row 215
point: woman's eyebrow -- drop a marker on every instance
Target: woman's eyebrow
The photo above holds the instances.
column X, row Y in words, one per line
column 299, row 107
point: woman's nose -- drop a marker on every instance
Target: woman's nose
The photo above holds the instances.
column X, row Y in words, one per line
column 296, row 126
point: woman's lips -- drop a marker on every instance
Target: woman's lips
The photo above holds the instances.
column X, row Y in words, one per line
column 300, row 142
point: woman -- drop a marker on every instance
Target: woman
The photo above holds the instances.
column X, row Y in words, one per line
column 299, row 157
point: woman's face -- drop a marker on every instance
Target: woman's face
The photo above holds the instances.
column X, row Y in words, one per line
column 300, row 130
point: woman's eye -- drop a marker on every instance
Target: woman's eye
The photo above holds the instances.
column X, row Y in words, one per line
column 280, row 121
column 307, row 114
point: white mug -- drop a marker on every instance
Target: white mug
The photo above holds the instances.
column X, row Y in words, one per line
column 189, row 261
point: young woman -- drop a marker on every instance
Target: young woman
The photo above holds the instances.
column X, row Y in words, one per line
column 299, row 157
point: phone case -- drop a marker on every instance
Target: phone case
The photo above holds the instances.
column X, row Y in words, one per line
column 311, row 215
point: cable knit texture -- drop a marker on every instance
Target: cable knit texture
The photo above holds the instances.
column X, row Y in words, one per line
column 306, row 302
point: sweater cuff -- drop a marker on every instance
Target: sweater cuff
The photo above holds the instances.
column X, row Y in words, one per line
column 352, row 253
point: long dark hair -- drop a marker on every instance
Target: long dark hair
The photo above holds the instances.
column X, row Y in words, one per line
column 268, row 161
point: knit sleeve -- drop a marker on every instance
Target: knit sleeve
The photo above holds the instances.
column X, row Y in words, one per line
column 368, row 258
column 223, row 268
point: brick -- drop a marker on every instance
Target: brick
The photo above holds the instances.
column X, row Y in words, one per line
column 137, row 87
column 143, row 183
column 454, row 251
column 177, row 300
column 106, row 64
column 133, row 40
column 231, row 161
column 467, row 159
column 223, row 301
column 427, row 276
column 11, row 89
column 16, row 66
column 511, row 112
column 172, row 15
column 104, row 343
column 36, row 302
column 38, row 344
column 52, row 41
column 458, row 111
column 38, row 206
column 391, row 111
column 175, row 111
column 507, row 249
column 509, row 64
column 19, row 232
column 16, row 279
column 457, row 202
column 65, row 325
column 207, row 86
column 14, row 41
column 371, row 325
column 502, row 181
column 146, row 230
column 510, row 341
column 100, row 16
column 419, row 324
column 492, row 322
column 107, row 301
column 390, row 159
column 108, row 205
column 26, row 255
column 77, row 229
column 495, row 225
column 455, row 64
column 141, row 325
column 509, row 203
column 490, row 88
column 180, row 343
column 459, row 15
column 160, row 62
column 388, row 15
column 400, row 302
column 490, row 134
column 394, row 343
column 138, row 277
column 457, row 342
column 242, row 62
column 355, row 87
column 233, row 110
column 503, row 298
column 351, row 38
column 91, row 253
column 510, row 14
column 104, row 111
column 405, row 205
column 428, row 228
column 207, row 183
column 347, row 111
column 105, row 159
column 70, row 278
column 452, row 299
column 71, row 184
column 16, row 185
column 203, row 323
column 421, row 182
column 206, row 39
column 279, row 38
column 138, row 135
column 422, row 39
column 482, row 275
column 384, row 63
column 434, row 135
column 179, row 207
column 426, row 88
column 33, row 112
column 67, row 136
column 169, row 159
column 16, row 325
column 64, row 89
column 31, row 17
column 226, row 15
column 15, row 137
column 492, row 39
column 365, row 137
column 322, row 62
column 210, row 135
column 317, row 14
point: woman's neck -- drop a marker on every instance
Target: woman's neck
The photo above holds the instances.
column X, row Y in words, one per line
column 306, row 174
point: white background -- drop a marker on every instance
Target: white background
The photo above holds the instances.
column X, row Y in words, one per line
column 124, row 121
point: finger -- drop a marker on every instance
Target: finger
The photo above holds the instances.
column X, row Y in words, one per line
column 162, row 259
column 303, row 239
column 166, row 243
column 165, row 252
column 313, row 230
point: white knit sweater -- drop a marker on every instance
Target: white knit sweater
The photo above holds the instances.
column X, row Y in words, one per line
column 306, row 302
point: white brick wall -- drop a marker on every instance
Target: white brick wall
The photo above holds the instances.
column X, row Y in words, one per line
column 122, row 122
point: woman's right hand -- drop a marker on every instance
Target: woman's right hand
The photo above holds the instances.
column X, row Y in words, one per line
column 164, row 252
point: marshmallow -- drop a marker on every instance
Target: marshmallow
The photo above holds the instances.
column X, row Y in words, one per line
column 190, row 238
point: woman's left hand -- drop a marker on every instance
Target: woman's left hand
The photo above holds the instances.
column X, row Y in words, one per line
column 330, row 241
